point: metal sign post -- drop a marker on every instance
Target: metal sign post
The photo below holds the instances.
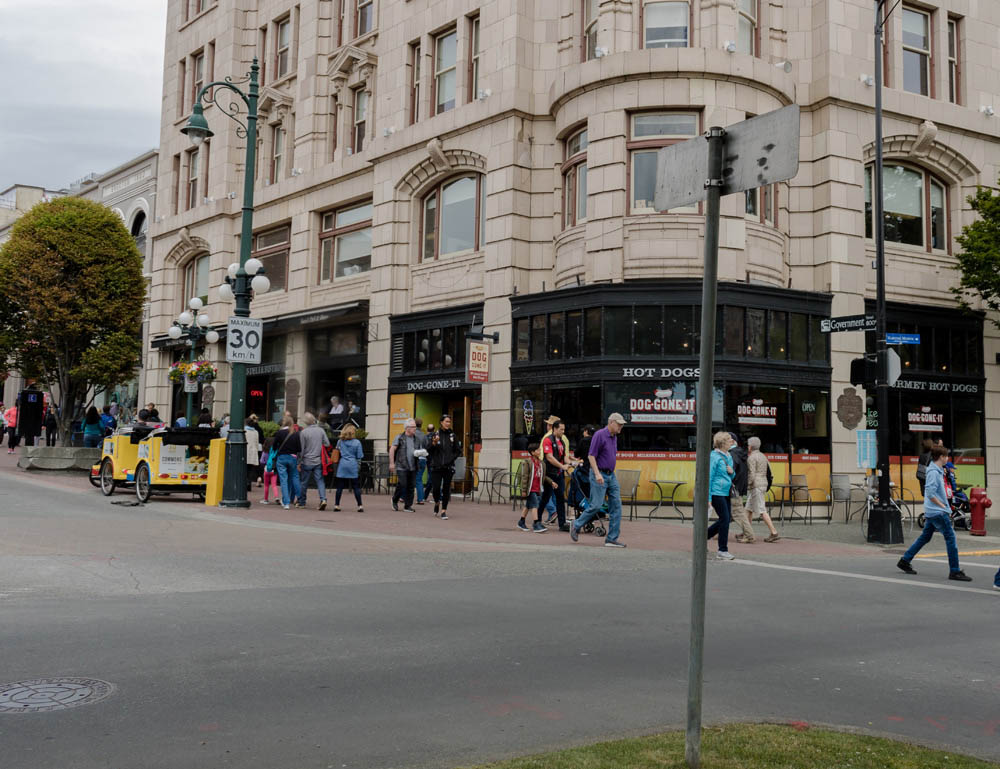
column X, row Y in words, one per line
column 751, row 154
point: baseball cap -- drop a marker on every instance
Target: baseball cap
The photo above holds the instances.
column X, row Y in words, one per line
column 616, row 417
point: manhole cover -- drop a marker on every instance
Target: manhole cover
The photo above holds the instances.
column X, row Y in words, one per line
column 41, row 695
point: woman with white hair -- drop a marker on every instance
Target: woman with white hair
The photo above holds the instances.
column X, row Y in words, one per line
column 720, row 483
column 757, row 470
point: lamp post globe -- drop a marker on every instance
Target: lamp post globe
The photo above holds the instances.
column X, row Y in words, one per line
column 195, row 303
column 174, row 332
column 197, row 129
column 260, row 284
column 185, row 318
column 212, row 336
column 204, row 320
column 253, row 266
column 233, row 269
column 226, row 292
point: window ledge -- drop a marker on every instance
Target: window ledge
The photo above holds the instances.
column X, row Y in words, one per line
column 200, row 16
column 908, row 251
column 449, row 260
column 285, row 79
column 367, row 37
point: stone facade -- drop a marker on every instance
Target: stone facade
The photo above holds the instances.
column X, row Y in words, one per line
column 518, row 103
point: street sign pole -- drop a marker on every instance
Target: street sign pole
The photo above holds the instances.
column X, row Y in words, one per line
column 699, row 549
column 885, row 524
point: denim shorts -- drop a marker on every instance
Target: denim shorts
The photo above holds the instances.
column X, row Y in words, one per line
column 533, row 500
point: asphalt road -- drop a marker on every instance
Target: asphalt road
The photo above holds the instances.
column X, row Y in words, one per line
column 249, row 645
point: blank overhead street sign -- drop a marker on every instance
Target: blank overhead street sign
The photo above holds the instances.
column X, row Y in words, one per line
column 759, row 151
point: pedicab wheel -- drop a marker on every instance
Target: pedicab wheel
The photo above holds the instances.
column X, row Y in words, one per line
column 143, row 485
column 921, row 520
column 95, row 482
column 107, row 476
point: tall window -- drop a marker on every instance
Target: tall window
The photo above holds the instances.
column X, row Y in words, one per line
column 346, row 242
column 762, row 204
column 746, row 32
column 365, row 18
column 589, row 29
column 181, row 94
column 953, row 66
column 342, row 15
column 649, row 132
column 915, row 207
column 196, row 280
column 360, row 117
column 665, row 25
column 454, row 219
column 197, row 74
column 283, row 55
column 415, row 56
column 444, row 71
column 575, row 179
column 277, row 153
column 271, row 248
column 474, row 59
column 194, row 176
column 916, row 52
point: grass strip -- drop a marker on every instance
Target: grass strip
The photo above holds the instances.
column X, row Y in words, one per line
column 751, row 746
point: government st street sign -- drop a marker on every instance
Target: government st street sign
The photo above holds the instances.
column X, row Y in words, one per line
column 847, row 323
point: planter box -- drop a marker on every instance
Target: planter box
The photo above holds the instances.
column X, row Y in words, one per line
column 57, row 458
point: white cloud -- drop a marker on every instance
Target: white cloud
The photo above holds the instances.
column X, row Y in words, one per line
column 83, row 86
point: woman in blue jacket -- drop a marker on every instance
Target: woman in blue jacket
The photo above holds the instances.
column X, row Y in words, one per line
column 349, row 466
column 720, row 480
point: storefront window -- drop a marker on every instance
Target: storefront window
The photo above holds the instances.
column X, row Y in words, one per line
column 661, row 414
column 967, row 440
column 810, row 431
column 538, row 337
column 648, row 330
column 678, row 339
column 733, row 335
column 617, row 330
column 574, row 334
column 777, row 335
column 592, row 331
column 524, row 339
column 818, row 341
column 555, row 335
column 437, row 348
column 756, row 332
column 761, row 411
column 942, row 350
column 528, row 412
column 430, row 349
column 798, row 336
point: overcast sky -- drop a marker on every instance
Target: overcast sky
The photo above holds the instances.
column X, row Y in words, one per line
column 82, row 85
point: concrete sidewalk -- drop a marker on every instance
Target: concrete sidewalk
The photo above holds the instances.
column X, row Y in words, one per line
column 474, row 522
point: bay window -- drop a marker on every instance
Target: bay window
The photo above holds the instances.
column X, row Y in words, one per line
column 746, row 26
column 649, row 132
column 454, row 217
column 575, row 179
column 589, row 49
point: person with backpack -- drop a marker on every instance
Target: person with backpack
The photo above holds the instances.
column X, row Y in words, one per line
column 759, row 480
column 270, row 473
column 738, row 491
column 351, row 453
column 286, row 448
column 109, row 423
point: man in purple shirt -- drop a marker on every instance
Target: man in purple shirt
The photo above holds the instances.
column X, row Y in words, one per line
column 602, row 455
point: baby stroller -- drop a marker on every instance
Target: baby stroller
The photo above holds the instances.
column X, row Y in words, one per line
column 579, row 499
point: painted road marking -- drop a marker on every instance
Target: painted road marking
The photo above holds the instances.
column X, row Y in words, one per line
column 968, row 553
column 869, row 577
column 967, row 563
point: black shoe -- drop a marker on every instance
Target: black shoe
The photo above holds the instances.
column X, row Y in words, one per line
column 960, row 576
column 444, row 515
column 905, row 566
column 437, row 508
column 564, row 527
column 408, row 510
column 322, row 504
column 574, row 533
column 522, row 525
column 395, row 506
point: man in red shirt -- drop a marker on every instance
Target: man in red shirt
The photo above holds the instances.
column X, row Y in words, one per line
column 556, row 464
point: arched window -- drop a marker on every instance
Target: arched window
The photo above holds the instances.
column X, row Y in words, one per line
column 196, row 280
column 916, row 211
column 454, row 217
column 139, row 224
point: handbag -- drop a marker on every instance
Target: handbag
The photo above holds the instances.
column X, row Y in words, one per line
column 273, row 455
column 335, row 454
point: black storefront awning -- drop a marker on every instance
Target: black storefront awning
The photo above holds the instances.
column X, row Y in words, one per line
column 304, row 319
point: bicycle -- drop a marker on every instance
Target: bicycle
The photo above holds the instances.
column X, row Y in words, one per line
column 901, row 504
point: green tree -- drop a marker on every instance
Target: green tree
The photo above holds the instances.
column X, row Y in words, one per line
column 979, row 260
column 71, row 296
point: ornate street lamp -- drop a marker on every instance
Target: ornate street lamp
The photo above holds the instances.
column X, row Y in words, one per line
column 234, row 489
column 195, row 326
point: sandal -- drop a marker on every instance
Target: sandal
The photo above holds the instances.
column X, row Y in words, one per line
column 772, row 538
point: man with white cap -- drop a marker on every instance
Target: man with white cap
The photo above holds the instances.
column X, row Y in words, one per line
column 602, row 457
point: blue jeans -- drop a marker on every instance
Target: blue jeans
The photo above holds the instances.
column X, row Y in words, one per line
column 721, row 526
column 288, row 477
column 996, row 579
column 934, row 523
column 307, row 472
column 421, row 469
column 597, row 492
column 92, row 440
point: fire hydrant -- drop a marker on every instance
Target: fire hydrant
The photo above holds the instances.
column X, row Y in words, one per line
column 978, row 502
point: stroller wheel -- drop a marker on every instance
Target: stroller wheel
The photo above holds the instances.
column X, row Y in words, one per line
column 600, row 531
column 588, row 527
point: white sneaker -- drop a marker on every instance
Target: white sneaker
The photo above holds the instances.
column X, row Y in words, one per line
column 285, row 507
column 724, row 555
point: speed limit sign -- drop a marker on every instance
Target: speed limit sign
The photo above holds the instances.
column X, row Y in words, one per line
column 243, row 339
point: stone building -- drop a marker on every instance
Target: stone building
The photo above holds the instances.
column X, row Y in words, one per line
column 426, row 166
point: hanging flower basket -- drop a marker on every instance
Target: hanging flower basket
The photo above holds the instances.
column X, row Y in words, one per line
column 202, row 371
column 177, row 371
